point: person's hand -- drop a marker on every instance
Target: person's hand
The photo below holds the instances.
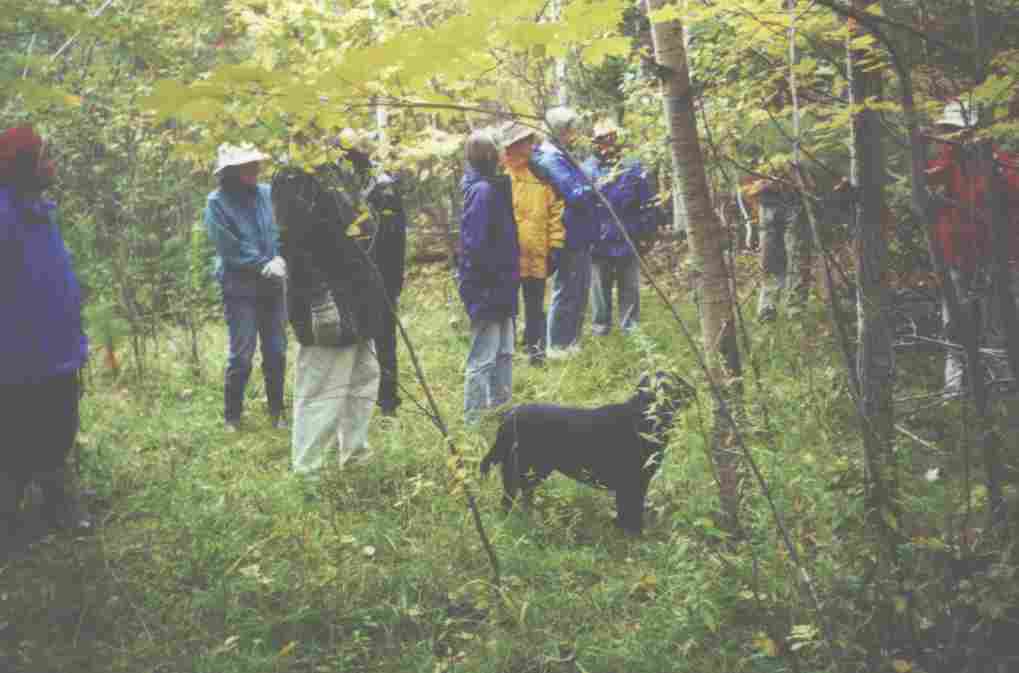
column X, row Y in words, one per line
column 275, row 269
column 553, row 260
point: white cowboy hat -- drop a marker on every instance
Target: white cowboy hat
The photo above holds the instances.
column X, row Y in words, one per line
column 361, row 141
column 605, row 127
column 236, row 155
column 959, row 115
column 512, row 133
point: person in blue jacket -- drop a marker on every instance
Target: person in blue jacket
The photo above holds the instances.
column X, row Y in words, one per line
column 489, row 277
column 572, row 282
column 239, row 219
column 624, row 184
column 42, row 346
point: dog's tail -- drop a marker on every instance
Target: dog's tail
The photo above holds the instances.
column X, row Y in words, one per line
column 500, row 450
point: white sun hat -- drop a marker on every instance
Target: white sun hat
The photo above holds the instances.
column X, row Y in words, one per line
column 959, row 115
column 513, row 132
column 605, row 127
column 236, row 155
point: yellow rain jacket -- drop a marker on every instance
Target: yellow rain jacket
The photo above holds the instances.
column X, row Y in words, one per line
column 539, row 216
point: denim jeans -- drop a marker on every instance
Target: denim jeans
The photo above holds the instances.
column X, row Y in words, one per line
column 535, row 324
column 622, row 273
column 248, row 320
column 785, row 251
column 489, row 380
column 570, row 289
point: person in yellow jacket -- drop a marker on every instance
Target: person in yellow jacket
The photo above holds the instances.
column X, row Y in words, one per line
column 539, row 215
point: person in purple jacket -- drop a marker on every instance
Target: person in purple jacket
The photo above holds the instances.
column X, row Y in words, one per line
column 489, row 277
column 42, row 346
column 624, row 184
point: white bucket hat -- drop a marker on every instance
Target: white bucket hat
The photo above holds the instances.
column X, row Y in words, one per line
column 513, row 132
column 959, row 115
column 360, row 141
column 605, row 127
column 236, row 155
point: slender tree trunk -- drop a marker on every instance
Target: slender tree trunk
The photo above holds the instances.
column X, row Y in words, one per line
column 707, row 242
column 997, row 206
column 875, row 361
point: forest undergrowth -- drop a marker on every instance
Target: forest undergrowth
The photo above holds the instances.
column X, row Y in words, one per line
column 208, row 556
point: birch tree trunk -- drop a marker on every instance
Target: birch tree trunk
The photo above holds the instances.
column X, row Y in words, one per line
column 707, row 243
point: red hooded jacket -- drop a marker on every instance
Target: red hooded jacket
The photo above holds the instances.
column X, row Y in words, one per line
column 962, row 229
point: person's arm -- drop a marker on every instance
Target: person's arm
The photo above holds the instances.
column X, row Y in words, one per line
column 567, row 179
column 475, row 227
column 236, row 250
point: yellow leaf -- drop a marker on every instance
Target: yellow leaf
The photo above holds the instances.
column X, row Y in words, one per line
column 605, row 47
column 902, row 666
column 665, row 14
column 766, row 645
column 288, row 648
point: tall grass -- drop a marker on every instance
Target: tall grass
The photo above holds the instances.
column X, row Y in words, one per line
column 209, row 557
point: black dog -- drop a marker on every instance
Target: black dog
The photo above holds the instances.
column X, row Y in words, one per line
column 617, row 446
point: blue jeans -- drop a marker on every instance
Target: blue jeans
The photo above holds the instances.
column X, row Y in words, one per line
column 489, row 380
column 620, row 272
column 249, row 319
column 570, row 289
column 785, row 252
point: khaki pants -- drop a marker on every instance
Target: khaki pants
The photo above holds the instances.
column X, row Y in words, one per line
column 334, row 395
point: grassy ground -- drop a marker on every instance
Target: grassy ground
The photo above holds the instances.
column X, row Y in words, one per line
column 208, row 558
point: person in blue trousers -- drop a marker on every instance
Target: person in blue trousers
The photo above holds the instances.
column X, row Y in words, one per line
column 239, row 219
column 572, row 281
column 624, row 184
column 489, row 277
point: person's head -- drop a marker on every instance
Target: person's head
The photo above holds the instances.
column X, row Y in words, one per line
column 517, row 142
column 606, row 139
column 562, row 121
column 24, row 160
column 957, row 117
column 358, row 146
column 482, row 153
column 238, row 167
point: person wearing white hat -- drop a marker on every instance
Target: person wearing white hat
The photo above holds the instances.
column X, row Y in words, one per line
column 239, row 219
column 539, row 216
column 624, row 183
column 961, row 231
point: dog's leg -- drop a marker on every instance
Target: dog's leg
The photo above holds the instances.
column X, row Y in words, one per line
column 12, row 490
column 630, row 495
column 510, row 479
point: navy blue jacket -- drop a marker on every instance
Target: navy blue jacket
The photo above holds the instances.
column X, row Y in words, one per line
column 626, row 187
column 40, row 299
column 550, row 165
column 489, row 271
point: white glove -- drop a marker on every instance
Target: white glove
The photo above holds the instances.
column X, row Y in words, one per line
column 276, row 269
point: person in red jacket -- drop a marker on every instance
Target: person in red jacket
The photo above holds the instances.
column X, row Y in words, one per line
column 961, row 227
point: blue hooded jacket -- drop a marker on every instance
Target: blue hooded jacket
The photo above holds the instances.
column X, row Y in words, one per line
column 550, row 165
column 39, row 295
column 490, row 253
column 246, row 238
column 626, row 187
